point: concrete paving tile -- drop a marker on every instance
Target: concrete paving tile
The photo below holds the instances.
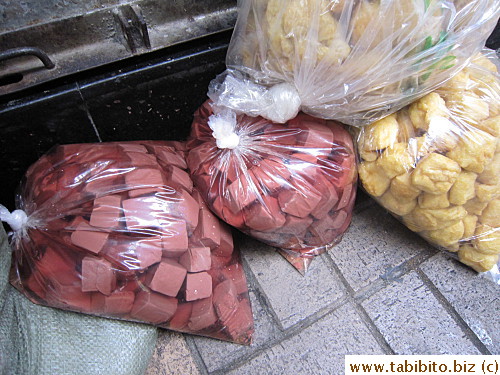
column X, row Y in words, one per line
column 414, row 322
column 171, row 356
column 475, row 298
column 374, row 245
column 318, row 349
column 293, row 297
column 217, row 354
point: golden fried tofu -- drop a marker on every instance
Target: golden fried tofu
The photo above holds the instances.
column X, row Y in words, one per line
column 424, row 110
column 464, row 188
column 397, row 205
column 474, row 149
column 468, row 106
column 381, row 134
column 487, row 239
column 491, row 172
column 432, row 219
column 406, row 130
column 477, row 261
column 363, row 15
column 474, row 206
column 486, row 193
column 401, row 186
column 396, row 160
column 470, row 222
column 490, row 125
column 491, row 214
column 435, row 174
column 427, row 200
column 374, row 180
column 446, row 237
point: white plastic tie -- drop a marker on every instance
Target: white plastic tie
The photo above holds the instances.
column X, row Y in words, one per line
column 16, row 219
column 223, row 125
column 285, row 103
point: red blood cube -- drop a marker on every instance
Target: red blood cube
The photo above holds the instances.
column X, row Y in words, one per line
column 299, row 201
column 134, row 253
column 89, row 238
column 198, row 286
column 153, row 307
column 199, row 159
column 166, row 158
column 264, row 179
column 97, row 276
column 180, row 177
column 107, row 211
column 202, row 315
column 265, row 215
column 54, row 265
column 241, row 193
column 181, row 317
column 132, row 147
column 117, row 303
column 338, row 219
column 188, row 209
column 236, row 220
column 296, row 225
column 196, row 259
column 236, row 274
column 314, row 132
column 226, row 246
column 207, row 233
column 347, row 196
column 36, row 284
column 144, row 212
column 240, row 327
column 142, row 181
column 141, row 159
column 225, row 300
column 329, row 197
column 168, row 278
column 174, row 238
column 323, row 229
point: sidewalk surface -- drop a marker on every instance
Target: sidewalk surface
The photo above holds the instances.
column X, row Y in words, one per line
column 382, row 290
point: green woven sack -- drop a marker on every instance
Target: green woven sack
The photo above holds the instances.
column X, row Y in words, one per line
column 38, row 340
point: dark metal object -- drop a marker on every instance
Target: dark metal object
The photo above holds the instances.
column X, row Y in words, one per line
column 79, row 35
column 26, row 51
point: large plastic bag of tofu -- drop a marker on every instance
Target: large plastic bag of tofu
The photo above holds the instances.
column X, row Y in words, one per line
column 355, row 61
column 291, row 186
column 435, row 164
column 118, row 230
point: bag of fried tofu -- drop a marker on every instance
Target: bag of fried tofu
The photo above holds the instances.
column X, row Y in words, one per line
column 118, row 230
column 435, row 164
column 292, row 185
column 354, row 61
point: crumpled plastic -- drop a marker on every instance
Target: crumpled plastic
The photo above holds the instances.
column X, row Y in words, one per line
column 353, row 61
column 291, row 186
column 118, row 230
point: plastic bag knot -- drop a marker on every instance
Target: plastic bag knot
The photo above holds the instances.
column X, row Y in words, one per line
column 223, row 125
column 16, row 219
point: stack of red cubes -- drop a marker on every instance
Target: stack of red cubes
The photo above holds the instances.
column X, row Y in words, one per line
column 118, row 230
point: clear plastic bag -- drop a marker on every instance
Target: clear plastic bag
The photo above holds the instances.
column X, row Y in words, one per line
column 353, row 61
column 291, row 186
column 118, row 230
column 436, row 164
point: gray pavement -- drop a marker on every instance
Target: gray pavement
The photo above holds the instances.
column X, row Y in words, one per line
column 382, row 290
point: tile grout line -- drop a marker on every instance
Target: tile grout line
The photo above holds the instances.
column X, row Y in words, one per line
column 195, row 354
column 288, row 333
column 87, row 111
column 469, row 333
column 351, row 296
